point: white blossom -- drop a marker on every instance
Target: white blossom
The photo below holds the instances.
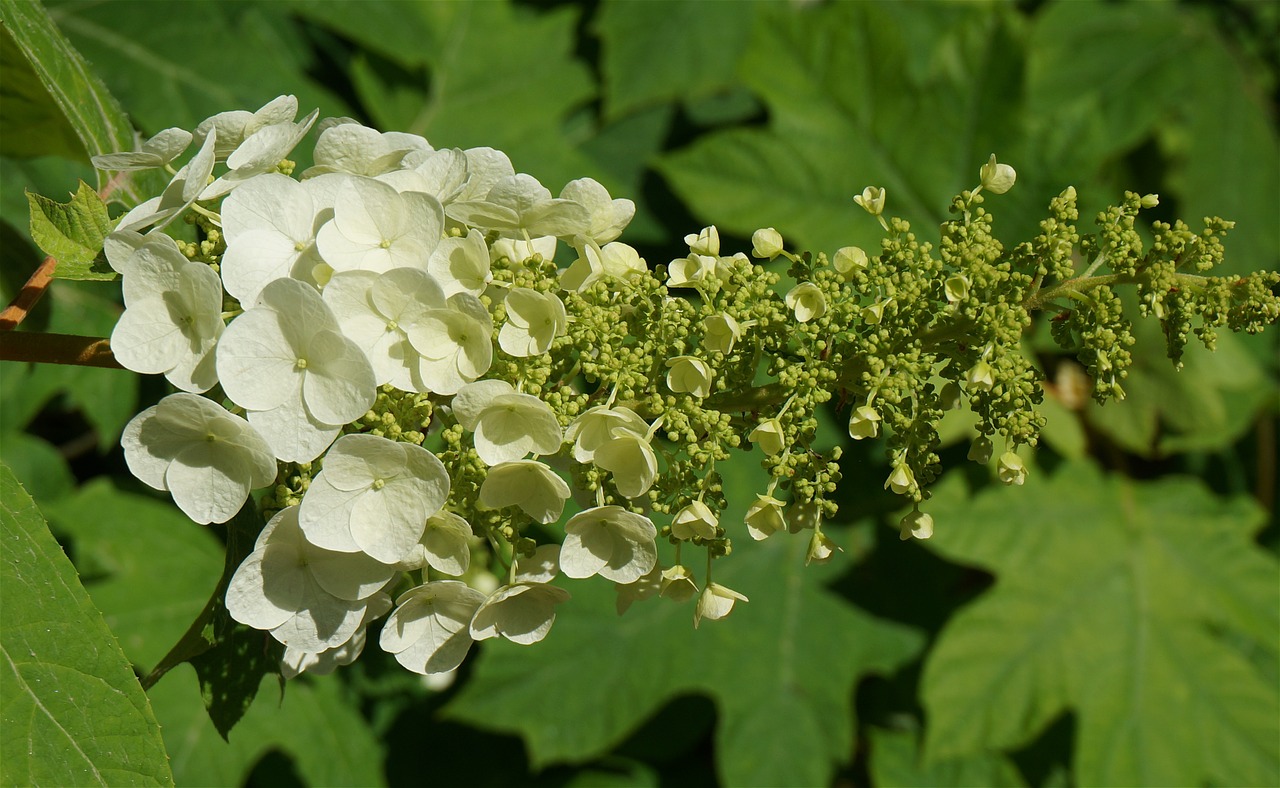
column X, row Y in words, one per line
column 689, row 374
column 534, row 320
column 597, row 426
column 806, row 302
column 360, row 150
column 376, row 228
column 631, row 460
column 610, row 541
column 455, row 344
column 696, row 520
column 507, row 425
column 181, row 192
column 517, row 205
column 309, row 598
column 532, row 486
column 445, row 545
column 297, row 661
column 715, row 603
column 172, row 319
column 373, row 495
column 287, row 363
column 429, row 631
column 157, row 151
column 522, row 613
column 607, row 217
column 207, row 458
column 614, row 260
column 461, row 265
column 260, row 153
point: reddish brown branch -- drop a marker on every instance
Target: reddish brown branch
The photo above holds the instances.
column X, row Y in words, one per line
column 57, row 349
column 26, row 300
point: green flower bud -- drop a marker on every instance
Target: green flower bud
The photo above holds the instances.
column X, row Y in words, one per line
column 849, row 260
column 766, row 243
column 997, row 178
column 872, row 199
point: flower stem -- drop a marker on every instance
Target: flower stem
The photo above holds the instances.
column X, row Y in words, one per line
column 30, row 294
column 57, row 349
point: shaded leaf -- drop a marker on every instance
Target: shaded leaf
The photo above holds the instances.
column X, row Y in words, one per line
column 72, row 711
column 895, row 761
column 31, row 124
column 1124, row 602
column 151, row 568
column 73, row 232
column 315, row 723
column 792, row 653
column 37, row 465
column 700, row 44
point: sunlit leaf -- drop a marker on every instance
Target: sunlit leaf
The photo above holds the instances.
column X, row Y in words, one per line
column 1132, row 605
column 73, row 233
column 72, row 711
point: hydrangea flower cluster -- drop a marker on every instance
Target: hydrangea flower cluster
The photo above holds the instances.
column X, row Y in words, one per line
column 389, row 345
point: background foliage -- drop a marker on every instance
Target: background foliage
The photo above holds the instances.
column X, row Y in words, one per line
column 1114, row 622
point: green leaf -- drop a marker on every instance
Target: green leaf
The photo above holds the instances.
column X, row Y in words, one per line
column 80, row 94
column 858, row 95
column 507, row 79
column 315, row 723
column 73, row 232
column 31, row 124
column 178, row 69
column 895, row 761
column 152, row 569
column 700, row 45
column 1133, row 605
column 793, row 653
column 38, row 465
column 72, row 711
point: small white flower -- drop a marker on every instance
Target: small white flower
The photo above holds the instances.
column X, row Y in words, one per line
column 917, row 524
column 956, row 288
column 705, row 242
column 181, row 192
column 373, row 495
column 849, row 260
column 690, row 271
column 872, row 199
column 766, row 243
column 518, row 204
column 270, row 226
column 522, row 613
column 864, row 422
column 768, row 435
column 309, row 598
column 206, row 457
column 232, row 128
column 695, row 520
column 376, row 228
column 715, row 603
column 609, row 541
column 806, row 302
column 295, row 661
column 765, row 517
column 677, row 584
column 158, row 151
column 359, row 150
column 376, row 311
column 821, row 548
column 720, row 332
column 455, row 344
column 530, row 485
column 518, row 250
column 631, row 460
column 1010, row 469
column 612, row 261
column 461, row 265
column 901, row 480
column 981, row 377
column 429, row 632
column 445, row 546
column 599, row 425
column 286, row 361
column 534, row 320
column 607, row 217
column 995, row 177
column 172, row 319
column 507, row 425
column 689, row 374
column 981, row 449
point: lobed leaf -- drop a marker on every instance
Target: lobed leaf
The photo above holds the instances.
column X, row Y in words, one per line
column 1123, row 602
column 73, row 232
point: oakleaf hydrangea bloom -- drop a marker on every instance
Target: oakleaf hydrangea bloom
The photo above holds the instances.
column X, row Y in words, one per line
column 461, row 264
column 517, row 205
column 678, row 584
column 612, row 261
column 631, row 460
column 297, row 661
column 695, row 520
column 720, row 333
column 689, row 374
column 1010, row 469
column 507, row 425
column 177, row 197
column 429, row 632
column 522, row 613
column 376, row 228
column 445, row 545
column 705, row 242
column 849, row 260
column 518, row 250
column 715, row 603
column 534, row 320
column 454, row 344
column 765, row 517
column 607, row 217
column 287, row 363
column 915, row 524
column 207, row 458
column 377, row 311
column 270, row 225
column 599, row 425
column 997, row 178
column 766, row 243
column 807, row 302
column 769, row 435
column 532, row 486
column 158, row 151
column 360, row 150
column 373, row 495
column 309, row 598
column 864, row 422
column 172, row 318
column 690, row 271
column 233, row 127
column 260, row 153
column 609, row 541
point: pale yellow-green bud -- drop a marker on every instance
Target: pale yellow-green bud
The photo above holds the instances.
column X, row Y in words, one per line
column 766, row 243
column 997, row 178
column 849, row 260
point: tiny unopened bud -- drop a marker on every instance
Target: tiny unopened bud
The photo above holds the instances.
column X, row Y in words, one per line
column 981, row 377
column 956, row 288
column 1149, row 200
column 950, row 396
column 766, row 243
